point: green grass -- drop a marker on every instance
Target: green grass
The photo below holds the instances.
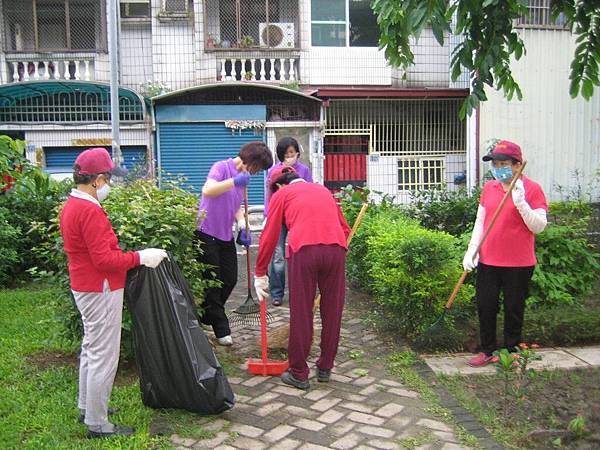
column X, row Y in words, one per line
column 38, row 408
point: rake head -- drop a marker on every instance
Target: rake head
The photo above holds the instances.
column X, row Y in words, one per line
column 248, row 314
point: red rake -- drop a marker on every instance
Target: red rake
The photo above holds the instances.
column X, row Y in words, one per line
column 263, row 366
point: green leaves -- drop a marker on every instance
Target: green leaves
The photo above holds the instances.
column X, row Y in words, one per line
column 489, row 40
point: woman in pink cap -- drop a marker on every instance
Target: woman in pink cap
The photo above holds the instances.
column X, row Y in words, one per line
column 506, row 260
column 97, row 270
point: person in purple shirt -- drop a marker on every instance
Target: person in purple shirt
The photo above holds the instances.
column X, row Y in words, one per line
column 288, row 153
column 222, row 196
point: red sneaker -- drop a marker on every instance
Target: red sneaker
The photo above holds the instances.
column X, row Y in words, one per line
column 481, row 360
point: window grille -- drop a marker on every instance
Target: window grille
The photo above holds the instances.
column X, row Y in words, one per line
column 420, row 173
column 403, row 127
column 54, row 25
column 69, row 107
column 241, row 24
column 540, row 16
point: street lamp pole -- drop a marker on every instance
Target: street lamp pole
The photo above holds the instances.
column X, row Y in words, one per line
column 113, row 53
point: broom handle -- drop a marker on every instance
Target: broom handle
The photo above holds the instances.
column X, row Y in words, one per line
column 461, row 280
column 248, row 262
column 359, row 218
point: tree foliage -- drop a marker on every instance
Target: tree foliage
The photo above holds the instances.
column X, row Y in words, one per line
column 490, row 39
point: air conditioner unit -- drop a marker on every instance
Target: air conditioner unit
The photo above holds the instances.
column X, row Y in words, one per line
column 277, row 35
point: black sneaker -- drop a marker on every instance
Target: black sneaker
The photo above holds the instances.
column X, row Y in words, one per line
column 323, row 375
column 119, row 430
column 290, row 379
column 111, row 411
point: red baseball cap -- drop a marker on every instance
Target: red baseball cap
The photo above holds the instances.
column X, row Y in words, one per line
column 504, row 150
column 279, row 171
column 97, row 160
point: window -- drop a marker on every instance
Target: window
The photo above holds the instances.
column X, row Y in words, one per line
column 245, row 24
column 343, row 23
column 54, row 25
column 132, row 9
column 416, row 174
column 175, row 6
column 540, row 16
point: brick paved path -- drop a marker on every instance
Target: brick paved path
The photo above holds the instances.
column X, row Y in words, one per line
column 361, row 407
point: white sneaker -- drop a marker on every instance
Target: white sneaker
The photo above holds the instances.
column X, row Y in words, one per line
column 225, row 340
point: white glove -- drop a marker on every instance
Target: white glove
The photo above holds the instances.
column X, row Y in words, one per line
column 152, row 257
column 241, row 223
column 518, row 194
column 261, row 284
column 471, row 259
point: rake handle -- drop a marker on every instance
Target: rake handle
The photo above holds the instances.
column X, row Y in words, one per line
column 357, row 221
column 248, row 261
column 461, row 280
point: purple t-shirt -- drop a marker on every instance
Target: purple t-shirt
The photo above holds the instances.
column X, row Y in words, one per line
column 220, row 210
column 302, row 171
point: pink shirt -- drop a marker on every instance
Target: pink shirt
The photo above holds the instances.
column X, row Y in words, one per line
column 510, row 243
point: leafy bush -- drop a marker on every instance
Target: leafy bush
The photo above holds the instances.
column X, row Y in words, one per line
column 567, row 266
column 142, row 216
column 31, row 201
column 9, row 239
column 442, row 210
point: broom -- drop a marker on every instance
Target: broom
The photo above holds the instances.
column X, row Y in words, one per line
column 248, row 313
column 439, row 332
column 278, row 338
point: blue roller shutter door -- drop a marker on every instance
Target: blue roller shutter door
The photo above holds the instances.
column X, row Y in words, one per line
column 191, row 149
column 64, row 157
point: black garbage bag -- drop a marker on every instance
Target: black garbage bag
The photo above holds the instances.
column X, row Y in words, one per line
column 176, row 363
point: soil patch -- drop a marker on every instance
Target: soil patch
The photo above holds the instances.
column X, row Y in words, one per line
column 126, row 373
column 553, row 400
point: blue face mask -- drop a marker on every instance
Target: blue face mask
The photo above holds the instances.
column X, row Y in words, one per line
column 502, row 174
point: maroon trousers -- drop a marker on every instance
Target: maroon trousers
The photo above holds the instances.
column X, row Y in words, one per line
column 312, row 266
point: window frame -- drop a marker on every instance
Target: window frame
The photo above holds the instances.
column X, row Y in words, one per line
column 419, row 168
column 542, row 8
column 346, row 22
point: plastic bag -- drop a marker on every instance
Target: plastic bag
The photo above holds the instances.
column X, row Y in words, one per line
column 176, row 363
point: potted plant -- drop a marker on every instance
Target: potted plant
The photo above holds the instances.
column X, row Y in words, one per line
column 248, row 76
column 247, row 41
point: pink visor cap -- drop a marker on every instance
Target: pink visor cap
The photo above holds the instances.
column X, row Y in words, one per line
column 97, row 160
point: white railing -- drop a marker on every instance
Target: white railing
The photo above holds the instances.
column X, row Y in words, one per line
column 258, row 69
column 26, row 69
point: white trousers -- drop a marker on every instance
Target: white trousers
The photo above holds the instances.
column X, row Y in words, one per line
column 101, row 313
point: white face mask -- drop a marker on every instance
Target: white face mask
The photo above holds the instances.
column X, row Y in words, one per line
column 290, row 161
column 103, row 192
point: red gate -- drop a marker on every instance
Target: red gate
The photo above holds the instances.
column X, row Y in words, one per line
column 345, row 161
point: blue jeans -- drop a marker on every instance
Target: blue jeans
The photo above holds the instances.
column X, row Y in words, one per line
column 277, row 271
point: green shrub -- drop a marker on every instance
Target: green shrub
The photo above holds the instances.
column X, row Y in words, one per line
column 31, row 202
column 411, row 271
column 9, row 239
column 142, row 216
column 567, row 266
column 562, row 325
column 442, row 210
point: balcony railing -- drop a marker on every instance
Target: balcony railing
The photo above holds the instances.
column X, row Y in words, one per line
column 258, row 68
column 29, row 67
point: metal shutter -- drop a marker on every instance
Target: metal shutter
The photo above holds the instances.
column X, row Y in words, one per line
column 64, row 157
column 190, row 150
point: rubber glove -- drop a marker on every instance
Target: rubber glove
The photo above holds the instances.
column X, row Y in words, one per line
column 518, row 194
column 152, row 257
column 241, row 223
column 261, row 285
column 471, row 259
column 241, row 179
column 244, row 238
